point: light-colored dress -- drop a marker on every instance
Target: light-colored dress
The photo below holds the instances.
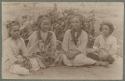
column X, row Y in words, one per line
column 109, row 44
column 11, row 49
column 68, row 44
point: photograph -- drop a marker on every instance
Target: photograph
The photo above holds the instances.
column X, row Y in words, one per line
column 62, row 40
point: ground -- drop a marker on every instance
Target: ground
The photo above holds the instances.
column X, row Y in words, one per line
column 113, row 72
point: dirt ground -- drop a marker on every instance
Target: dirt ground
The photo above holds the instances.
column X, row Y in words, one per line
column 105, row 12
column 113, row 72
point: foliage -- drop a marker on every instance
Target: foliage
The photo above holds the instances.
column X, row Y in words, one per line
column 60, row 23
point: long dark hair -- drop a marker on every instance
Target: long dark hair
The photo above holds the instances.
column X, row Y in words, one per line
column 38, row 23
column 81, row 19
column 40, row 19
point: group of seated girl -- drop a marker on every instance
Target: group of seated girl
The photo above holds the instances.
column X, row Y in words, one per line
column 41, row 51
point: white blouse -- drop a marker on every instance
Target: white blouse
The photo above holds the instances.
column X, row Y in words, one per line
column 109, row 44
column 68, row 44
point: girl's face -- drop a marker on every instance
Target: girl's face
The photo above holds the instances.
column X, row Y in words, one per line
column 75, row 23
column 45, row 25
column 105, row 30
column 14, row 32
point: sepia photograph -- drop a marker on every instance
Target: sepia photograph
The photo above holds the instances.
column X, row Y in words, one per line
column 62, row 40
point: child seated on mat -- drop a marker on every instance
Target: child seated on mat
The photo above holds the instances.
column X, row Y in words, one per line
column 105, row 45
column 42, row 43
column 15, row 57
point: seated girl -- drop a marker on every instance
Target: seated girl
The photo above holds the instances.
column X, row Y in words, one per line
column 21, row 66
column 42, row 43
column 74, row 44
column 105, row 46
column 12, row 47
